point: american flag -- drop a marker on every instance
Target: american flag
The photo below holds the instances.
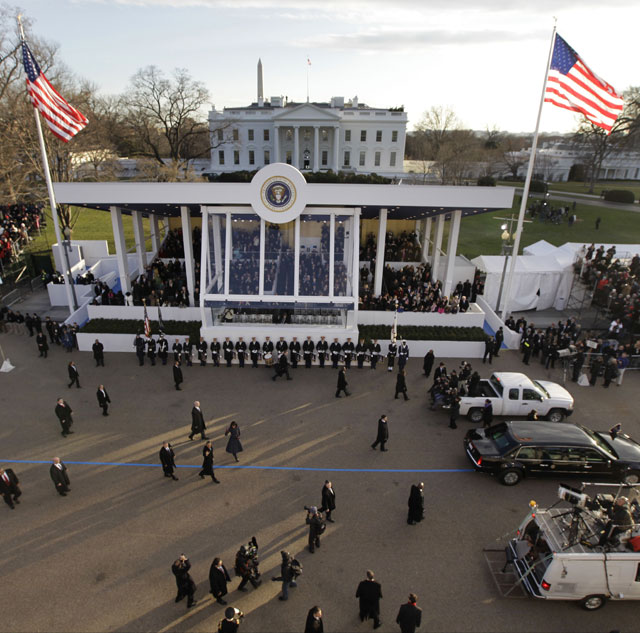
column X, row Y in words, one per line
column 160, row 323
column 63, row 120
column 147, row 323
column 574, row 86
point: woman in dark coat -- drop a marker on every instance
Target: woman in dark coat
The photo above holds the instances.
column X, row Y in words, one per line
column 233, row 445
column 416, row 504
column 401, row 384
column 207, row 462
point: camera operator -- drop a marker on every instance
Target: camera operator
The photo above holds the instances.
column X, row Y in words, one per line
column 186, row 586
column 316, row 527
column 290, row 569
column 231, row 622
column 247, row 565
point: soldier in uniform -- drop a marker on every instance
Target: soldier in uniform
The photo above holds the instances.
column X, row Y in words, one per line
column 335, row 350
column 227, row 349
column 151, row 350
column 267, row 352
column 138, row 343
column 215, row 352
column 177, row 351
column 375, row 350
column 254, row 351
column 361, row 349
column 391, row 355
column 307, row 352
column 294, row 352
column 187, row 348
column 202, row 352
column 403, row 355
column 163, row 349
column 241, row 349
column 348, row 349
column 281, row 346
column 322, row 348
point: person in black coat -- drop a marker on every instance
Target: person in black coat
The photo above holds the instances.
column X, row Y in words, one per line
column 454, row 412
column 316, row 527
column 163, row 349
column 429, row 358
column 416, row 504
column 58, row 472
column 167, row 459
column 197, row 422
column 489, row 348
column 177, row 375
column 328, row 500
column 342, row 383
column 186, row 586
column 370, row 592
column 440, row 372
column 218, row 579
column 103, row 399
column 383, row 434
column 487, row 414
column 138, row 343
column 207, row 462
column 409, row 616
column 98, row 353
column 234, row 445
column 498, row 340
column 282, row 367
column 401, row 384
column 9, row 488
column 314, row 621
column 43, row 346
column 63, row 412
column 74, row 376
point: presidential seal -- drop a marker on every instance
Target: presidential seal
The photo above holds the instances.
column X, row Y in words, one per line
column 278, row 194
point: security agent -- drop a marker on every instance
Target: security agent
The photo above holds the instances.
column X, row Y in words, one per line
column 254, row 351
column 307, row 352
column 322, row 348
column 215, row 352
column 241, row 350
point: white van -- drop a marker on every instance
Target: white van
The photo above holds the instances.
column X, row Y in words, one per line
column 578, row 552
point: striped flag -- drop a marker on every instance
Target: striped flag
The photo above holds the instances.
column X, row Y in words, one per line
column 572, row 85
column 160, row 323
column 147, row 323
column 63, row 119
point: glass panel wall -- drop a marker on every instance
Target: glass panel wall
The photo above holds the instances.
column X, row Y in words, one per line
column 244, row 266
column 279, row 260
column 314, row 256
column 341, row 279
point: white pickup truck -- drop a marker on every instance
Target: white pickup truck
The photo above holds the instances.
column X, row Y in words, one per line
column 514, row 395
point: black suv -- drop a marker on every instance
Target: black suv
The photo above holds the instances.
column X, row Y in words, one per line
column 512, row 450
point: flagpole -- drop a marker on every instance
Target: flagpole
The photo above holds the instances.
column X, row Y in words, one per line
column 307, row 80
column 52, row 201
column 527, row 183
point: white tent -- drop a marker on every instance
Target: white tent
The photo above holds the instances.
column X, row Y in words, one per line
column 541, row 247
column 540, row 281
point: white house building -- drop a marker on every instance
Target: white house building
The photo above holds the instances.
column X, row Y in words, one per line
column 311, row 136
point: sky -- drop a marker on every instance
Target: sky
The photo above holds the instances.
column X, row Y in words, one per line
column 485, row 59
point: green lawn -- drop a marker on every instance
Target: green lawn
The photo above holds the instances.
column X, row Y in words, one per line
column 581, row 187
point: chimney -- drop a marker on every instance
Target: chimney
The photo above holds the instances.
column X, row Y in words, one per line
column 260, row 92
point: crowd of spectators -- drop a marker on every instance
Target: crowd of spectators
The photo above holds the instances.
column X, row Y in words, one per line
column 173, row 245
column 398, row 248
column 164, row 285
column 17, row 221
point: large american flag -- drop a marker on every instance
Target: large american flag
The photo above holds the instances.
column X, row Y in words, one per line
column 574, row 86
column 63, row 120
column 147, row 323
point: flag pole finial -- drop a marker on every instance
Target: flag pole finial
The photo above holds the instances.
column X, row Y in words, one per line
column 20, row 27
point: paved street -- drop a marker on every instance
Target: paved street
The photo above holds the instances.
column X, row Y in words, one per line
column 99, row 559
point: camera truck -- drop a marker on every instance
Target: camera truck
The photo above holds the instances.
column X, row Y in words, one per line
column 586, row 551
column 515, row 395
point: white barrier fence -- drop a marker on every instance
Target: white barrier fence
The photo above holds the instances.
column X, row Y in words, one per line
column 474, row 317
column 137, row 313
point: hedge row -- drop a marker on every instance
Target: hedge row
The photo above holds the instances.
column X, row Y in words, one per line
column 424, row 333
column 133, row 326
column 619, row 195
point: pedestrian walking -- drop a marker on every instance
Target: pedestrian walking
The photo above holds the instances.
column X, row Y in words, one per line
column 60, row 477
column 9, row 488
column 370, row 593
column 342, row 383
column 401, row 384
column 197, row 422
column 74, row 376
column 233, row 445
column 383, row 434
column 207, row 462
column 218, row 579
column 416, row 504
column 186, row 585
column 410, row 615
column 177, row 375
column 103, row 399
column 167, row 459
column 282, row 367
column 98, row 353
column 314, row 621
column 427, row 365
column 487, row 414
column 328, row 500
column 454, row 412
column 63, row 412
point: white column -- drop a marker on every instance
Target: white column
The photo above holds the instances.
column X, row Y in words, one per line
column 217, row 250
column 227, row 253
column 121, row 249
column 204, row 261
column 166, row 225
column 262, row 249
column 336, row 149
column 382, row 238
column 332, row 248
column 296, row 258
column 355, row 240
column 437, row 246
column 426, row 238
column 138, row 234
column 452, row 247
column 276, row 143
column 316, row 148
column 296, row 146
column 155, row 233
column 188, row 250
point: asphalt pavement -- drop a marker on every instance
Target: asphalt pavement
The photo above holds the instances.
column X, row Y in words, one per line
column 100, row 558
